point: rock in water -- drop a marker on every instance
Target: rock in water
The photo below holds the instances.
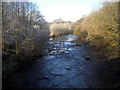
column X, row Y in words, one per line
column 61, row 51
column 87, row 57
column 78, row 44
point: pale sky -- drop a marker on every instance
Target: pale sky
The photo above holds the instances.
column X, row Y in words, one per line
column 68, row 10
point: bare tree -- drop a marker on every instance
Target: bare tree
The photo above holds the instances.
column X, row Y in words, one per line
column 24, row 29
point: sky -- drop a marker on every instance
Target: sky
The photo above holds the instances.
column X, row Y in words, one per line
column 68, row 10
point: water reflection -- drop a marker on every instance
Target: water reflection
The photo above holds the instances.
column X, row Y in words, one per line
column 65, row 38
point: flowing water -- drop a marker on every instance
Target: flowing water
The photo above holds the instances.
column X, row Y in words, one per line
column 64, row 65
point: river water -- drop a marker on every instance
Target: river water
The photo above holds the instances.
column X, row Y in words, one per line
column 65, row 64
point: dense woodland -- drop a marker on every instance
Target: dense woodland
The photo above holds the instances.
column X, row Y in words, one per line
column 101, row 29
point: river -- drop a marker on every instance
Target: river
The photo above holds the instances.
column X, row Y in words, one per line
column 65, row 64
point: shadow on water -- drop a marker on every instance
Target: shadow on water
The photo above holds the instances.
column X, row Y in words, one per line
column 64, row 65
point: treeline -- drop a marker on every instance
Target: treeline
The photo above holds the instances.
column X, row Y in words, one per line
column 100, row 28
column 24, row 31
column 60, row 27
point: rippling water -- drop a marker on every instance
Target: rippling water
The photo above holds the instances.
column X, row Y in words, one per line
column 63, row 66
column 66, row 38
column 88, row 48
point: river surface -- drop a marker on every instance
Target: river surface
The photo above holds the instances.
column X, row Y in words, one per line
column 64, row 65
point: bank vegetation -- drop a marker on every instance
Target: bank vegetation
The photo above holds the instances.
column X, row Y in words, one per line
column 101, row 29
column 60, row 27
column 24, row 33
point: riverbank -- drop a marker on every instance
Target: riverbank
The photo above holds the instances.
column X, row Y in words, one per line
column 64, row 65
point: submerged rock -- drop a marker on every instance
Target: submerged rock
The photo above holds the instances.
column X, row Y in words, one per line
column 51, row 54
column 43, row 78
column 56, row 74
column 67, row 68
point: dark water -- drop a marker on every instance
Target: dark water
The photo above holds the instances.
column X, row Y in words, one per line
column 64, row 65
